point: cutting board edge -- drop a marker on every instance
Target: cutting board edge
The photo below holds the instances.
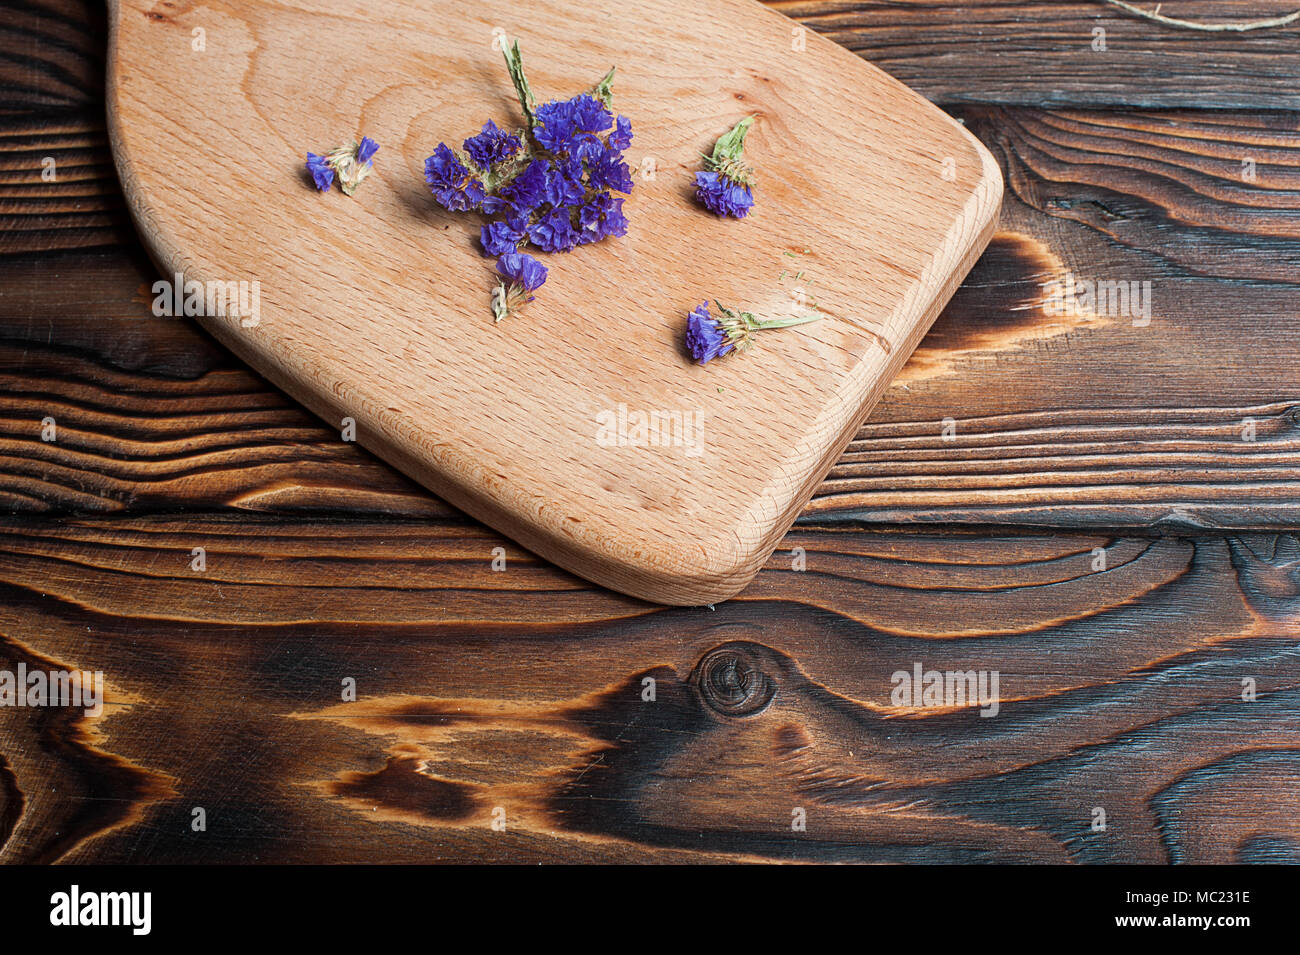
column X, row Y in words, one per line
column 984, row 206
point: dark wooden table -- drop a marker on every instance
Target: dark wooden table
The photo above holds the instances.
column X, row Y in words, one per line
column 1108, row 520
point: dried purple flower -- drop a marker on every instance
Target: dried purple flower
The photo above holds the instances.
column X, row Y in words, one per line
column 551, row 186
column 366, row 149
column 500, row 238
column 553, row 232
column 521, row 275
column 621, row 137
column 527, row 190
column 590, row 114
column 454, row 187
column 522, row 270
column 564, row 185
column 322, row 173
column 723, row 196
column 600, row 218
column 727, row 187
column 492, row 146
column 351, row 164
column 705, row 339
column 555, row 129
column 708, row 338
column 609, row 171
column 569, row 127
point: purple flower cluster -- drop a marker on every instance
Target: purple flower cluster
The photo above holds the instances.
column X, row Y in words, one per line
column 706, row 339
column 722, row 195
column 492, row 146
column 454, row 187
column 351, row 163
column 556, row 187
column 726, row 187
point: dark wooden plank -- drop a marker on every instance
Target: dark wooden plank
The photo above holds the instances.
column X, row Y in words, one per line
column 58, row 187
column 1096, row 418
column 522, row 688
column 1043, row 53
column 991, row 51
column 52, row 55
column 138, row 443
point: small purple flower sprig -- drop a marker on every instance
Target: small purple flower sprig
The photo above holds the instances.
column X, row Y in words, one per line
column 726, row 187
column 351, row 163
column 521, row 276
column 555, row 184
column 731, row 332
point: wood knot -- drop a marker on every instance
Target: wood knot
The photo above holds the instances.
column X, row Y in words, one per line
column 732, row 681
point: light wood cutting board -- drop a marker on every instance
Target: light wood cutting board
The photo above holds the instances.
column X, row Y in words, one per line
column 871, row 201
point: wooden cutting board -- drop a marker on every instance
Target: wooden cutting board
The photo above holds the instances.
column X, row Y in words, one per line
column 870, row 202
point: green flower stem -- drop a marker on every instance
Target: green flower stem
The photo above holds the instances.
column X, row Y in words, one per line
column 781, row 322
column 515, row 64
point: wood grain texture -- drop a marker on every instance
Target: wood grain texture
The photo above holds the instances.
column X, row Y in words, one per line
column 523, row 689
column 52, row 56
column 376, row 310
column 988, row 51
column 58, row 189
column 1050, row 53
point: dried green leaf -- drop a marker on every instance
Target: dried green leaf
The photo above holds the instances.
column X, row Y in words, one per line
column 515, row 64
column 604, row 90
column 731, row 147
